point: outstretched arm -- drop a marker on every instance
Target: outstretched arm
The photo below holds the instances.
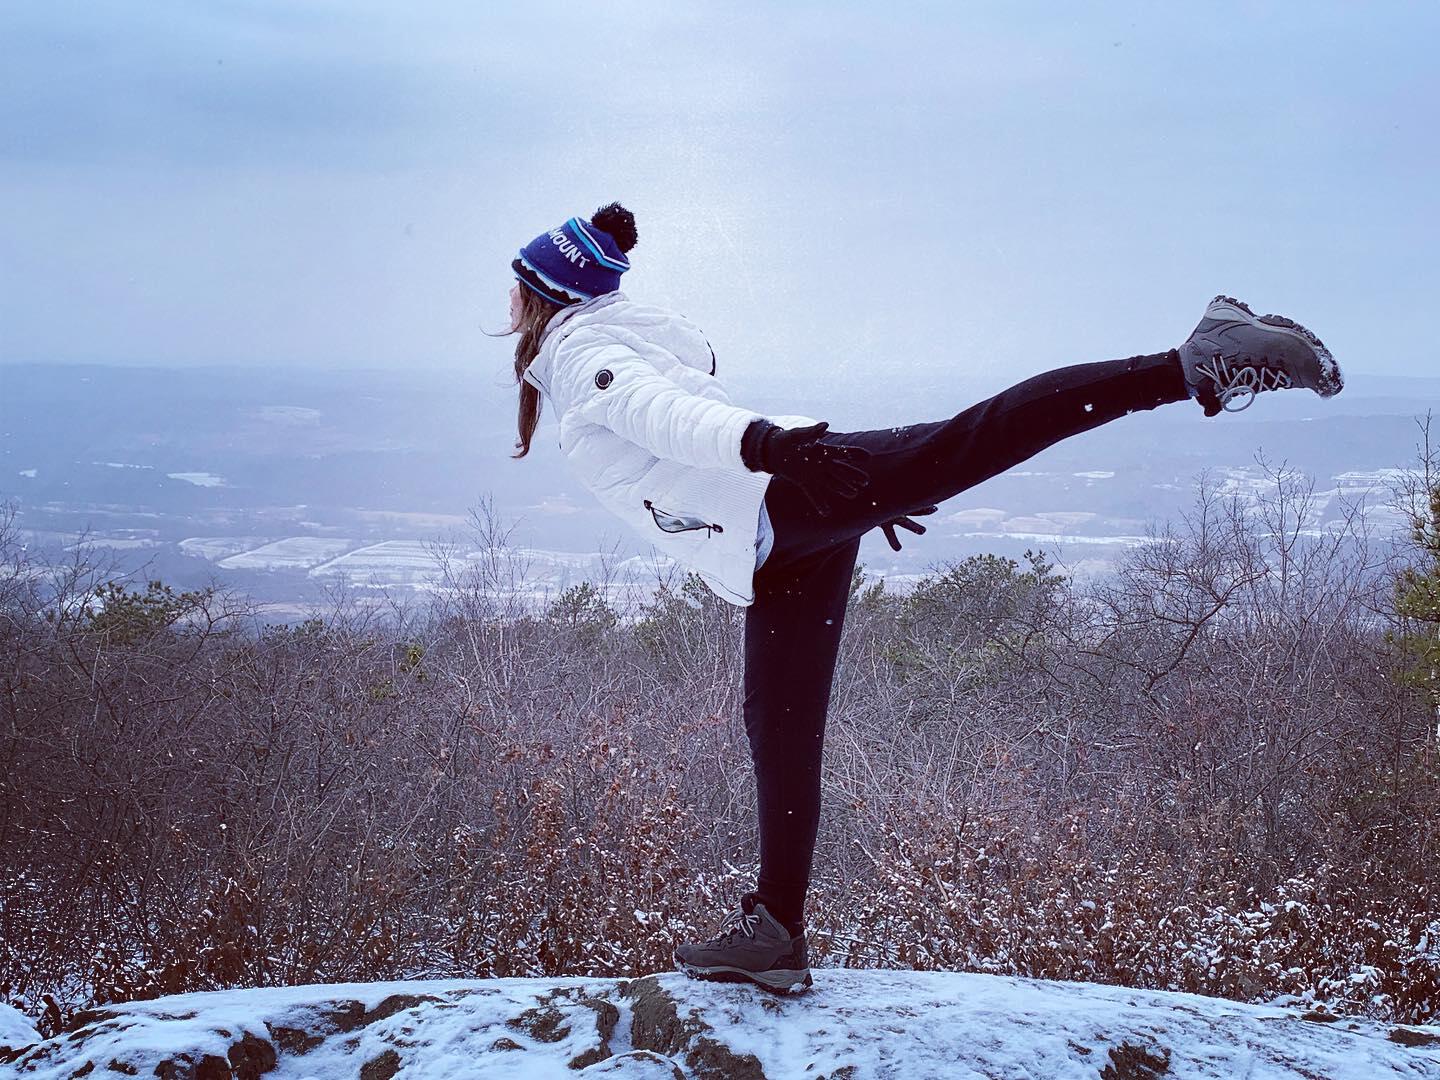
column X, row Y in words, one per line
column 619, row 390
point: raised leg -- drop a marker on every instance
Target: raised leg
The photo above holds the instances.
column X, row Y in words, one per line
column 924, row 464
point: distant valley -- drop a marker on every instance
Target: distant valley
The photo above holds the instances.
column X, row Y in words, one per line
column 285, row 483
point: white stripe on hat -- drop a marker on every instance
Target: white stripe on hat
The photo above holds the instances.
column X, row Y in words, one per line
column 598, row 251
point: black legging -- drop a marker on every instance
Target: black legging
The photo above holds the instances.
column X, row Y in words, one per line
column 792, row 630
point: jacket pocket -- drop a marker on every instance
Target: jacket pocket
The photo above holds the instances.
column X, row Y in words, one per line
column 675, row 523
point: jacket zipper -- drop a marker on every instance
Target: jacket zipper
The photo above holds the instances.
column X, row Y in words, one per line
column 686, row 522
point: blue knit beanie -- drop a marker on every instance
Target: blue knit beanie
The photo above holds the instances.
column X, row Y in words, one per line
column 578, row 260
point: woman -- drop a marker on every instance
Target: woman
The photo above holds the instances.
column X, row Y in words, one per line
column 769, row 511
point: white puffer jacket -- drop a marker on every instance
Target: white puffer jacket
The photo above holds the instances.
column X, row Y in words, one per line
column 651, row 432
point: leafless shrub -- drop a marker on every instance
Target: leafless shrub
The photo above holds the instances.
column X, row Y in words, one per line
column 1200, row 773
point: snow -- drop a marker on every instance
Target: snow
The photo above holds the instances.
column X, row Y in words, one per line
column 291, row 553
column 451, row 1036
column 15, row 1029
column 217, row 547
column 979, row 517
column 390, row 561
column 981, row 1026
column 873, row 1023
column 199, row 479
column 1059, row 538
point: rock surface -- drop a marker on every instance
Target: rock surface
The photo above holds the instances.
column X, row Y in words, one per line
column 852, row 1025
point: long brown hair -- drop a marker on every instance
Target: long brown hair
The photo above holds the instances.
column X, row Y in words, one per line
column 535, row 314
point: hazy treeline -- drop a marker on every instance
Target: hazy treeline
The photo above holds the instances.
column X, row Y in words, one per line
column 1213, row 770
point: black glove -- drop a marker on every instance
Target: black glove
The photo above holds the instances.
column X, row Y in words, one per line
column 905, row 523
column 817, row 469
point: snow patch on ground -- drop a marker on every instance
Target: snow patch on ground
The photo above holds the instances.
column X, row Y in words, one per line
column 853, row 1024
column 291, row 553
column 217, row 547
column 15, row 1028
column 388, row 562
column 199, row 479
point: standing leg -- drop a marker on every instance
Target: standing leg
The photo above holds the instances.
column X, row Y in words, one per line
column 925, row 464
column 792, row 640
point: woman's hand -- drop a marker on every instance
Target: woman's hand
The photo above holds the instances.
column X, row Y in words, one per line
column 820, row 470
column 905, row 523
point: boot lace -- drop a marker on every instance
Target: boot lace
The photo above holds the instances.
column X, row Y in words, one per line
column 1235, row 382
column 737, row 922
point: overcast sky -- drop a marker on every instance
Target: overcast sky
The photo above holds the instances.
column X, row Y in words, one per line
column 843, row 189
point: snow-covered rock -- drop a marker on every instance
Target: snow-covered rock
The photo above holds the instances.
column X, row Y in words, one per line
column 15, row 1030
column 854, row 1024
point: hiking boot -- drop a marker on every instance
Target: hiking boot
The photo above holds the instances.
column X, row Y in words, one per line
column 1234, row 355
column 750, row 946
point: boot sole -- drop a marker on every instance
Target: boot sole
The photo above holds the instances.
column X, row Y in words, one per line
column 1331, row 381
column 782, row 981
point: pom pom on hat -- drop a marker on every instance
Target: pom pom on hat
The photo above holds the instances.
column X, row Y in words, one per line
column 619, row 223
column 579, row 260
